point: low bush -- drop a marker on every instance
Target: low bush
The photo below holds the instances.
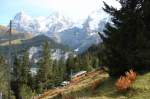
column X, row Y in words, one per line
column 131, row 75
column 124, row 82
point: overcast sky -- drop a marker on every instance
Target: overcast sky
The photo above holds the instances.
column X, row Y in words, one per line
column 76, row 9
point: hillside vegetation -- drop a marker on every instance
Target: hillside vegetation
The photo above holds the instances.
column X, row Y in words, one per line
column 106, row 90
column 77, row 87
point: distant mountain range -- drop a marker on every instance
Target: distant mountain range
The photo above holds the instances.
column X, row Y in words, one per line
column 33, row 44
column 77, row 35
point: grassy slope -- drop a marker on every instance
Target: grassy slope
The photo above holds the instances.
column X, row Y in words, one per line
column 75, row 87
column 139, row 90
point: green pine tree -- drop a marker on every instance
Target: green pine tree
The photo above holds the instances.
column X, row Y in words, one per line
column 4, row 83
column 16, row 75
column 57, row 72
column 25, row 68
column 69, row 66
column 95, row 62
column 44, row 75
column 62, row 66
column 21, row 74
column 88, row 62
column 125, row 41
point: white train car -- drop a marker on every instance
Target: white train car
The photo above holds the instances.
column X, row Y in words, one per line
column 78, row 74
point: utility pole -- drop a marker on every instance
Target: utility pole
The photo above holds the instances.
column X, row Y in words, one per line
column 10, row 30
column 10, row 59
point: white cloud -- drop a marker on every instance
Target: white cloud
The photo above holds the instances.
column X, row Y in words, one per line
column 74, row 8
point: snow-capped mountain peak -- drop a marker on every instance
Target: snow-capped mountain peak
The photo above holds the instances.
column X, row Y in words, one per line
column 57, row 22
column 53, row 23
column 77, row 35
column 22, row 16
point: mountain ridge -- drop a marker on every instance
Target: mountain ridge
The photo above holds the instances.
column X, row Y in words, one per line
column 63, row 30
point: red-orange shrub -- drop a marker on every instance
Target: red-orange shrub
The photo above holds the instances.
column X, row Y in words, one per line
column 131, row 75
column 124, row 82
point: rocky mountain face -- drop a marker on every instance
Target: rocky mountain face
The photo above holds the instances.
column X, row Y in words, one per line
column 77, row 35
